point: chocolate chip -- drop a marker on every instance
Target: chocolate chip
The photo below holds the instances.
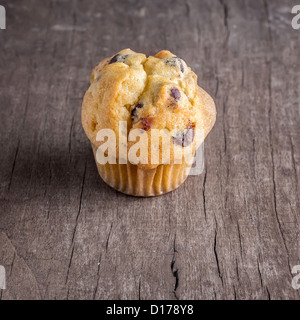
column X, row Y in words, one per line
column 181, row 65
column 146, row 123
column 134, row 110
column 175, row 93
column 118, row 58
column 114, row 59
column 185, row 138
column 174, row 61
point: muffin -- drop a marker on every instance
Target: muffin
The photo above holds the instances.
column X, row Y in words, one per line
column 145, row 118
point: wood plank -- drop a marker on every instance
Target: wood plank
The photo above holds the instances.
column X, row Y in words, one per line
column 230, row 233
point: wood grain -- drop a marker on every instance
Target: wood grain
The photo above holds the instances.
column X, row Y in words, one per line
column 230, row 233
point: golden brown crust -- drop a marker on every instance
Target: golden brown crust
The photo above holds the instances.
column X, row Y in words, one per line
column 158, row 92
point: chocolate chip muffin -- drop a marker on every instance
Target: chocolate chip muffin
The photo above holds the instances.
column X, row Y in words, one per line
column 153, row 115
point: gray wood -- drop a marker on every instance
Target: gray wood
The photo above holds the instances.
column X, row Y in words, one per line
column 230, row 233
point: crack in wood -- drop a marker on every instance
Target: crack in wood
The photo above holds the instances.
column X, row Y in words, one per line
column 70, row 262
column 261, row 279
column 237, row 270
column 76, row 222
column 98, row 277
column 174, row 270
column 203, row 194
column 217, row 259
column 108, row 237
column 139, row 294
column 14, row 164
column 217, row 85
column 240, row 240
column 12, row 264
column 225, row 10
column 70, row 134
column 188, row 8
column 225, row 21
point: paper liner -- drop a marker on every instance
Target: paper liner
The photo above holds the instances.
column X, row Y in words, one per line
column 132, row 180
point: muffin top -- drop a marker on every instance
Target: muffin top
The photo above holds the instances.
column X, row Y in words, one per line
column 155, row 92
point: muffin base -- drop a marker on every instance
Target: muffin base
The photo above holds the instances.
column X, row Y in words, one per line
column 132, row 180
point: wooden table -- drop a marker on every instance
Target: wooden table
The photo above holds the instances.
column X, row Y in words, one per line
column 229, row 233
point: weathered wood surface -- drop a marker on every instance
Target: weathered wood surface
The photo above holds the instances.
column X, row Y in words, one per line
column 230, row 233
